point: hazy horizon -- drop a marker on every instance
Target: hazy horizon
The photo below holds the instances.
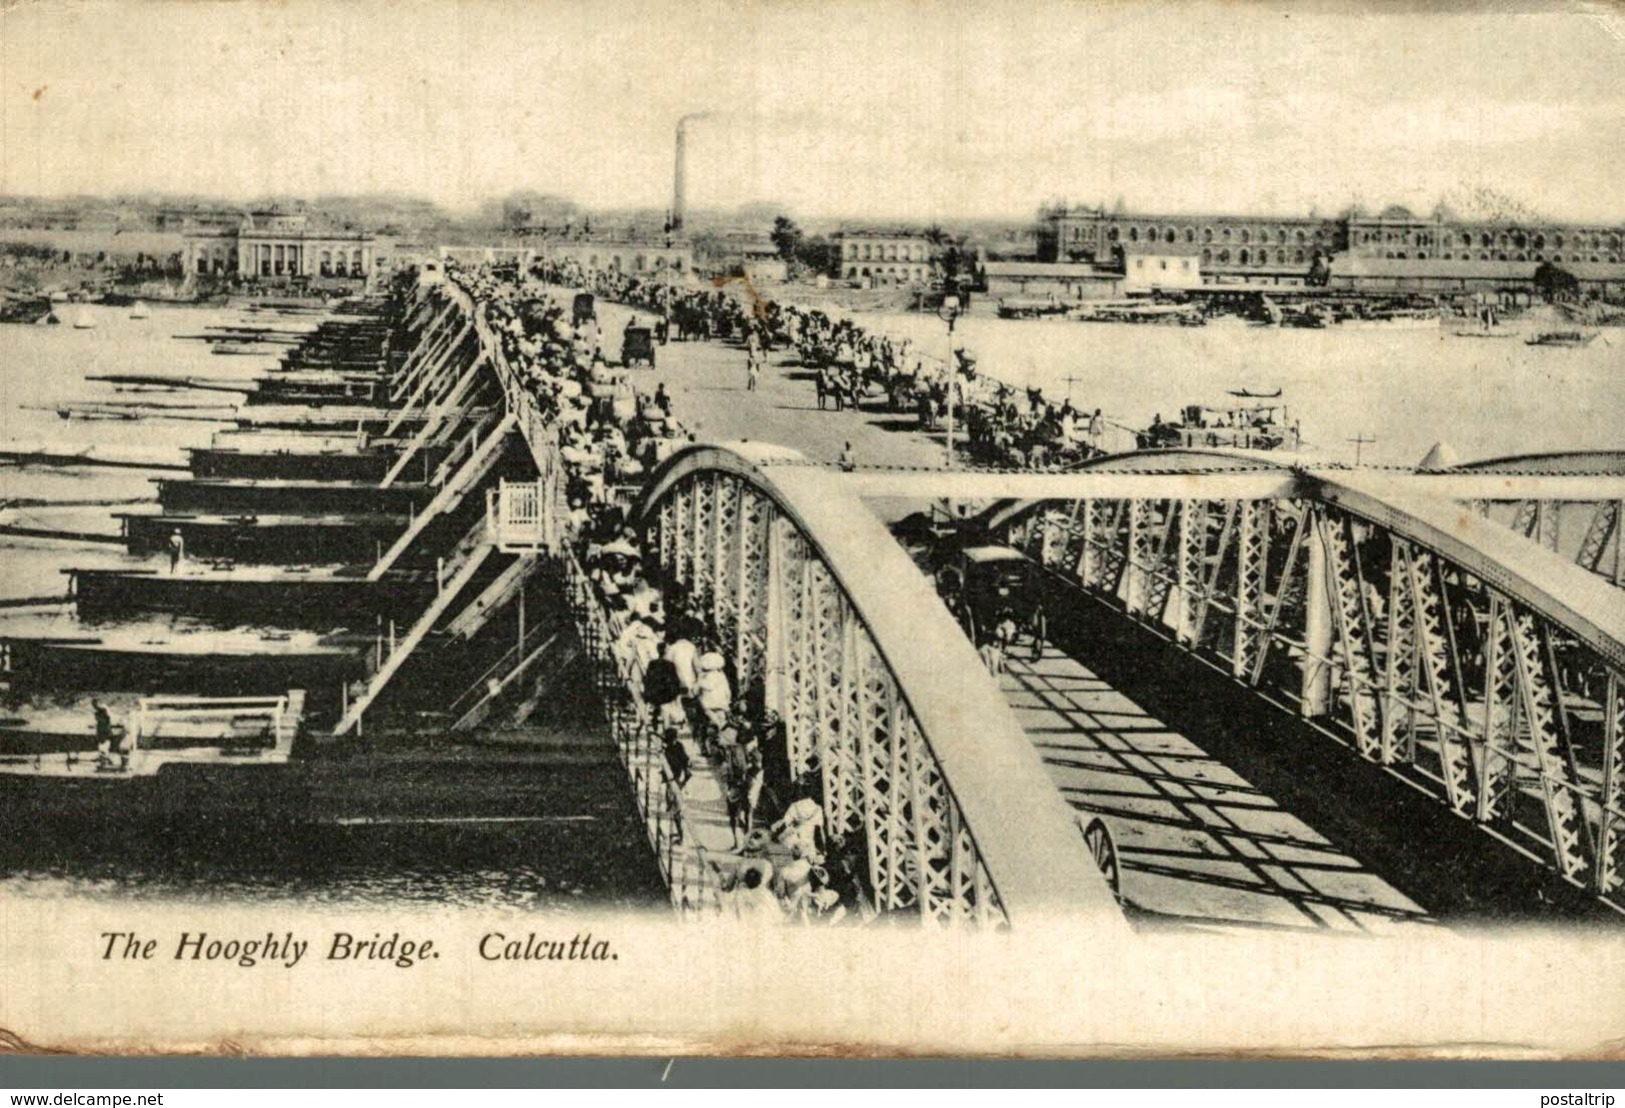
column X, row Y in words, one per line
column 765, row 209
column 908, row 111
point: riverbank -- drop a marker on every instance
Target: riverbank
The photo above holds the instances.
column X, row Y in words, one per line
column 1373, row 394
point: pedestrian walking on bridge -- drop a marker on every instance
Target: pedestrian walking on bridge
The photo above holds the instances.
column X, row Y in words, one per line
column 753, row 359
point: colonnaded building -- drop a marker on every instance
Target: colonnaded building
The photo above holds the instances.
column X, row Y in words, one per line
column 272, row 246
column 633, row 255
column 1253, row 248
column 1393, row 249
column 881, row 257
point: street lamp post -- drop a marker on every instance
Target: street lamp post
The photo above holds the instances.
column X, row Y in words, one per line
column 949, row 313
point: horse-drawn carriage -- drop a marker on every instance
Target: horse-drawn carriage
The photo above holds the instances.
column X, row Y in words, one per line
column 902, row 391
column 638, row 347
column 996, row 592
column 690, row 322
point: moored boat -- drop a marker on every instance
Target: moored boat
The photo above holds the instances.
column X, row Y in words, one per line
column 1257, row 420
column 1561, row 338
column 1014, row 308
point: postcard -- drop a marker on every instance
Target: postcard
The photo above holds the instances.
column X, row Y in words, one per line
column 878, row 529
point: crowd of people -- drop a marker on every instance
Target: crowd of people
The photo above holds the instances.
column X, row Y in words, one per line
column 610, row 433
column 783, row 866
column 1000, row 425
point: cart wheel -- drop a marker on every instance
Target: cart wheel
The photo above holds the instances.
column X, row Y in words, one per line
column 1040, row 634
column 1098, row 837
column 970, row 626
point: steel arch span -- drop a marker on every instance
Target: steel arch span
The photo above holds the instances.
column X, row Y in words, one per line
column 1571, row 502
column 919, row 755
column 1483, row 667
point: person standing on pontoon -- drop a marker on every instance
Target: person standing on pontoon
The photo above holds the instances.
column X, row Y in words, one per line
column 106, row 735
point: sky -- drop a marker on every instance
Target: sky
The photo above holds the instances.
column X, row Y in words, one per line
column 888, row 108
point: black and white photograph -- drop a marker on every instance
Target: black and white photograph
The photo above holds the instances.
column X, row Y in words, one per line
column 1061, row 528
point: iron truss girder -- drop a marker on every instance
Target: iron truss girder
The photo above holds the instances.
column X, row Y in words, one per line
column 1603, row 530
column 1352, row 626
column 1611, row 816
column 1443, row 670
column 772, row 600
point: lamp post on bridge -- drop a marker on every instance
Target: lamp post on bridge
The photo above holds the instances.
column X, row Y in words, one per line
column 949, row 313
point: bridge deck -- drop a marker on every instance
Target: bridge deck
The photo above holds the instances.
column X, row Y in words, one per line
column 1199, row 844
column 707, row 383
column 1202, row 845
column 705, row 809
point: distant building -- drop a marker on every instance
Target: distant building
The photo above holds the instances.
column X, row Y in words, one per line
column 462, row 254
column 1050, row 281
column 1446, row 276
column 273, row 246
column 746, row 254
column 1443, row 253
column 197, row 218
column 1419, row 252
column 876, row 258
column 1148, row 266
column 1275, row 250
column 1352, row 271
column 761, row 262
column 634, row 257
column 1398, row 234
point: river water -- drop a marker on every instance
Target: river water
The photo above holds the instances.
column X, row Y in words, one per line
column 472, row 827
column 1406, row 387
column 46, row 366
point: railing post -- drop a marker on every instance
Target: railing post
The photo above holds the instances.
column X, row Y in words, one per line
column 1619, row 543
column 1317, row 634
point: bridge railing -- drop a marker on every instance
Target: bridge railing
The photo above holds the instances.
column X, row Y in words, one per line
column 618, row 680
column 535, row 517
column 257, row 722
column 519, row 519
column 879, row 725
column 1468, row 662
column 924, row 778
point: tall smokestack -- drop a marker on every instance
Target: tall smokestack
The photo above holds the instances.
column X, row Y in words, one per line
column 679, row 181
column 679, row 184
